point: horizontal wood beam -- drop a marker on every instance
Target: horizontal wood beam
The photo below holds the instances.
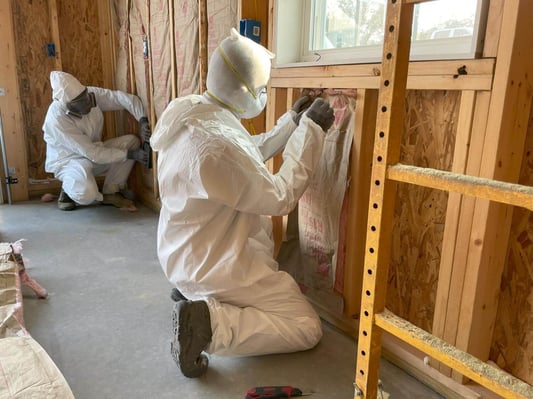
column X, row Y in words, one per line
column 503, row 192
column 423, row 75
column 496, row 380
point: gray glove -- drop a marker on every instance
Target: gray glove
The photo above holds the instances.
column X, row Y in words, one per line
column 300, row 106
column 144, row 129
column 140, row 156
column 321, row 113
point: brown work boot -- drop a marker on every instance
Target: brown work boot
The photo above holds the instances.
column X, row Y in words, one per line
column 118, row 201
column 64, row 202
column 191, row 324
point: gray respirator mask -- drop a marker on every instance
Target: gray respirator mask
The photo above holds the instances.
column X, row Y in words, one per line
column 82, row 104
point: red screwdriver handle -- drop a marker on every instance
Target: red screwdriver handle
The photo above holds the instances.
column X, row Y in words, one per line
column 272, row 392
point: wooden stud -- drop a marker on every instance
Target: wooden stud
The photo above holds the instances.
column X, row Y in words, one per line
column 202, row 40
column 131, row 64
column 454, row 262
column 279, row 107
column 153, row 118
column 107, row 41
column 250, row 10
column 54, row 32
column 360, row 170
column 493, row 27
column 10, row 108
column 172, row 44
column 451, row 226
column 501, row 160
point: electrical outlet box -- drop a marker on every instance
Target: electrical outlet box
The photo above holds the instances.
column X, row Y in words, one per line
column 251, row 29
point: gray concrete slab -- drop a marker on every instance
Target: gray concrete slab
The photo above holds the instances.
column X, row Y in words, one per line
column 106, row 322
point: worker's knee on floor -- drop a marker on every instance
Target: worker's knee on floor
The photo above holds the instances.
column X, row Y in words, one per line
column 312, row 332
column 316, row 332
column 85, row 196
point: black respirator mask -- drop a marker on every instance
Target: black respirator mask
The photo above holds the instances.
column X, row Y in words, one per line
column 82, row 104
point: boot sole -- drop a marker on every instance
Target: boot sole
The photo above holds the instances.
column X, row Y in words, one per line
column 66, row 207
column 195, row 364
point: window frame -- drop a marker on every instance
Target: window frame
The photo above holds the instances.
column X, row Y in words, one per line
column 298, row 55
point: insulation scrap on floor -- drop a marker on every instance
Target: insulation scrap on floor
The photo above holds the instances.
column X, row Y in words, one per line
column 26, row 370
column 11, row 320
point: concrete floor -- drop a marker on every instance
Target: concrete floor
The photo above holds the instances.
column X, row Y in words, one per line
column 106, row 322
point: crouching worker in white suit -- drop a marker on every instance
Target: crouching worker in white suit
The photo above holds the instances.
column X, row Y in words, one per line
column 214, row 242
column 75, row 153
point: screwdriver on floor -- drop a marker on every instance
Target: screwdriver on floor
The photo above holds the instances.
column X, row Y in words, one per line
column 274, row 392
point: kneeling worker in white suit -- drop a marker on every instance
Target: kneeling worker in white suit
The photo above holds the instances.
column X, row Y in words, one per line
column 214, row 242
column 75, row 153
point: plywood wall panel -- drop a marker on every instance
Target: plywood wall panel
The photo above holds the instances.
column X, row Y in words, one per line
column 428, row 141
column 33, row 73
column 79, row 32
column 80, row 52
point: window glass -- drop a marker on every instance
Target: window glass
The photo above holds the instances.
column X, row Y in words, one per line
column 337, row 31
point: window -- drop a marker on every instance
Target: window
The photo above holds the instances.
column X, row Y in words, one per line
column 351, row 31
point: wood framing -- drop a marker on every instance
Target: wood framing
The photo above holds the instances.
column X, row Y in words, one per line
column 465, row 230
column 10, row 106
column 485, row 124
column 203, row 53
column 501, row 160
column 373, row 312
column 107, row 45
column 423, row 75
column 360, row 169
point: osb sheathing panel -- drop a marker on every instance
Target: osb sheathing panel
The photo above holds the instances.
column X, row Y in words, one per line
column 79, row 32
column 512, row 347
column 428, row 141
column 80, row 55
column 33, row 70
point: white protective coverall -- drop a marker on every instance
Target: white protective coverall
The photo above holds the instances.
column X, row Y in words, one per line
column 75, row 153
column 214, row 242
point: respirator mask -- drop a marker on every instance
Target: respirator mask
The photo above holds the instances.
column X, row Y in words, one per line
column 82, row 104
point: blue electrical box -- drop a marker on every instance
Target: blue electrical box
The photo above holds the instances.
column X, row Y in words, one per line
column 50, row 50
column 251, row 29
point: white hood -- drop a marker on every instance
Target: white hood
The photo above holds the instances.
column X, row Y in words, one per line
column 65, row 87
